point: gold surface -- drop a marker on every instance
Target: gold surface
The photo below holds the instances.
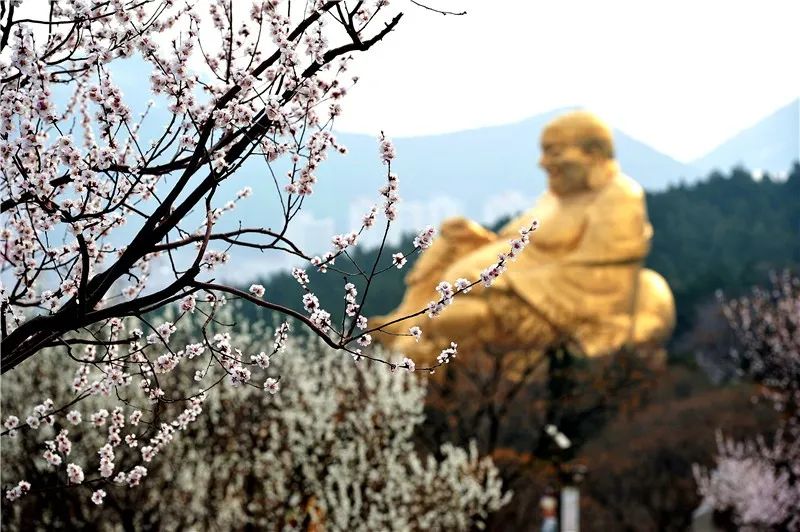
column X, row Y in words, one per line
column 580, row 279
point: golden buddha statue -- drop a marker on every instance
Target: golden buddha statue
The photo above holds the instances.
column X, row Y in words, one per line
column 580, row 279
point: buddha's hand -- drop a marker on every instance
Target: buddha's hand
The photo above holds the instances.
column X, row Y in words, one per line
column 462, row 230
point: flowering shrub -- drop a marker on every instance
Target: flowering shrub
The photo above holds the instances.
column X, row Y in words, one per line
column 759, row 482
column 91, row 205
column 333, row 447
column 755, row 481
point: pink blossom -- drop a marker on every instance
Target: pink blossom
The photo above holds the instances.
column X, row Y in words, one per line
column 272, row 385
column 11, row 423
column 22, row 488
column 74, row 473
column 387, row 150
column 262, row 359
column 188, row 303
column 424, row 239
column 98, row 496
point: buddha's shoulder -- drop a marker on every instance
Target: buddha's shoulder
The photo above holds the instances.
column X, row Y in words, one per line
column 622, row 188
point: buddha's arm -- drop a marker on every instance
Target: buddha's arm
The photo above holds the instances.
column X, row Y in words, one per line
column 561, row 229
column 458, row 237
column 557, row 237
column 617, row 233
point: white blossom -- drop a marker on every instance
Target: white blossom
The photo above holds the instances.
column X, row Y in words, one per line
column 74, row 473
column 98, row 496
column 257, row 290
column 272, row 386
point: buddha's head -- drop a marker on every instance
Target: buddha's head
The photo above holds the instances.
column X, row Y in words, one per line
column 577, row 152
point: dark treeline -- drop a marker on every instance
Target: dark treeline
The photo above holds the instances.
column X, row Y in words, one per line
column 726, row 232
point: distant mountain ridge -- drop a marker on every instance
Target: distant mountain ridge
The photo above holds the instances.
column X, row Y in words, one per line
column 770, row 145
column 470, row 167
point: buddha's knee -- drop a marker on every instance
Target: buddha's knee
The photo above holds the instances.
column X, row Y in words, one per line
column 655, row 309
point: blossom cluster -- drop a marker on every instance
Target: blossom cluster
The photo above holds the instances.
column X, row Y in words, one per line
column 294, row 447
column 754, row 480
column 492, row 272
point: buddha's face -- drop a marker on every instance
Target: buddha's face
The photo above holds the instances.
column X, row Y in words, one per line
column 567, row 164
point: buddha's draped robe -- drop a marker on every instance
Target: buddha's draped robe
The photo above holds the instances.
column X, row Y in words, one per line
column 580, row 278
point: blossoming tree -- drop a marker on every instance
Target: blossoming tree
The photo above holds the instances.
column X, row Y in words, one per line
column 333, row 449
column 90, row 204
column 757, row 483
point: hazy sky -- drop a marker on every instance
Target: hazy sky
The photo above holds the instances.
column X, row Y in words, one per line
column 682, row 76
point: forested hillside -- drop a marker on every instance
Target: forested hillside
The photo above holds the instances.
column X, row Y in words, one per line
column 724, row 233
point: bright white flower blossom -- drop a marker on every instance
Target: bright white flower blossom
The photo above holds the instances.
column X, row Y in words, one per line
column 364, row 340
column 74, row 473
column 74, row 417
column 99, row 418
column 445, row 290
column 434, row 308
column 239, row 375
column 310, row 302
column 300, row 276
column 22, row 488
column 281, row 336
column 188, row 303
column 11, row 423
column 135, row 416
column 98, row 496
column 262, row 359
column 387, row 150
column 425, row 238
column 399, row 260
column 447, row 354
column 272, row 385
column 257, row 290
column 369, row 218
column 63, row 443
column 462, row 285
